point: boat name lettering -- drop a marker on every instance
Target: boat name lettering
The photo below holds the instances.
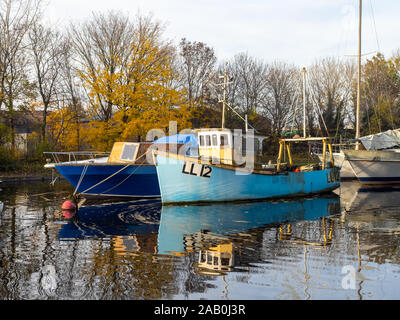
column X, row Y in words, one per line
column 198, row 170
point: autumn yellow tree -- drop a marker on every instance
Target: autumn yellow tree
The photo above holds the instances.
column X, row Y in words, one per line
column 142, row 93
column 61, row 128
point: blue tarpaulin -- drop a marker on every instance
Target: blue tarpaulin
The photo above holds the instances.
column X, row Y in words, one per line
column 179, row 138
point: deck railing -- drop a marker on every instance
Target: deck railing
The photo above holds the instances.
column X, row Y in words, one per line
column 75, row 156
column 316, row 148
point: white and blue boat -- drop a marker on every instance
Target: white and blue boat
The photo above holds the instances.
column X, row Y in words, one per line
column 128, row 171
column 125, row 173
column 216, row 176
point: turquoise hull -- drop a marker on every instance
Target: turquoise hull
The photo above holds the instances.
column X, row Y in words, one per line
column 184, row 180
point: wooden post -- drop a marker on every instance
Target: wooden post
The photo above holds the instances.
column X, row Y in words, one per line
column 323, row 154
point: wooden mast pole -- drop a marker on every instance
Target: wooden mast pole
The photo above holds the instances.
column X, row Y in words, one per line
column 359, row 78
column 224, row 98
column 304, row 103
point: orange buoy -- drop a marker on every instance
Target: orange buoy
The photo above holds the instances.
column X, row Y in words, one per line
column 68, row 209
column 68, row 214
column 69, row 205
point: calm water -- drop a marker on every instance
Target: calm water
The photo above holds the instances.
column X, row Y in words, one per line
column 342, row 246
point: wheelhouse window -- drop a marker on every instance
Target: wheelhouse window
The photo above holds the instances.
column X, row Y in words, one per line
column 224, row 139
column 214, row 140
column 208, row 141
column 128, row 152
column 201, row 141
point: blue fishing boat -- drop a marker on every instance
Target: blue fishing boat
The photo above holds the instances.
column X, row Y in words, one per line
column 128, row 171
column 217, row 175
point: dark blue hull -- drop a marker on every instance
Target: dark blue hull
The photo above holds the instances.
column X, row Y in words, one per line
column 133, row 181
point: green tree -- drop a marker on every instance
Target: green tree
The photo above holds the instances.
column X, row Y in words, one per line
column 379, row 94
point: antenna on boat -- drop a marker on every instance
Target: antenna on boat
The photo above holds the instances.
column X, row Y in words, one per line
column 224, row 77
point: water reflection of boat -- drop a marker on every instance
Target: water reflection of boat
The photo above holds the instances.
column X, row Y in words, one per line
column 214, row 232
column 372, row 215
column 131, row 226
column 357, row 197
column 185, row 228
column 216, row 260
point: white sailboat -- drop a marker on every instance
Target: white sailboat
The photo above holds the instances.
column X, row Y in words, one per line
column 379, row 161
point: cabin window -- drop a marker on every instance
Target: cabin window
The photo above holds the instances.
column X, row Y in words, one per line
column 224, row 139
column 208, row 141
column 214, row 140
column 225, row 262
column 203, row 257
column 201, row 141
column 128, row 152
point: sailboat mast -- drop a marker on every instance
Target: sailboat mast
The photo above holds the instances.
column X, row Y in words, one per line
column 359, row 78
column 304, row 103
column 224, row 98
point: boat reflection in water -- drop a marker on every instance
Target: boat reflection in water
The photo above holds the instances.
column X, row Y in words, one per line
column 220, row 236
column 225, row 235
column 371, row 207
column 132, row 226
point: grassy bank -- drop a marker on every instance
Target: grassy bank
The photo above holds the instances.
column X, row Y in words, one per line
column 24, row 169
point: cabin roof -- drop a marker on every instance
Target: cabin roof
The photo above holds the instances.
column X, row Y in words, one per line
column 212, row 129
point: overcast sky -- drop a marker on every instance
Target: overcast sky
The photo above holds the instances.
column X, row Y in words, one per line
column 296, row 31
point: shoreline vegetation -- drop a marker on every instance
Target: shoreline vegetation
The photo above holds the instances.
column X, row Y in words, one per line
column 27, row 170
column 113, row 77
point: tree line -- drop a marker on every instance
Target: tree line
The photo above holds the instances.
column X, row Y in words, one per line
column 113, row 77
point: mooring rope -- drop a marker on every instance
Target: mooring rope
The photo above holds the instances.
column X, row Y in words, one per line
column 80, row 179
column 117, row 185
